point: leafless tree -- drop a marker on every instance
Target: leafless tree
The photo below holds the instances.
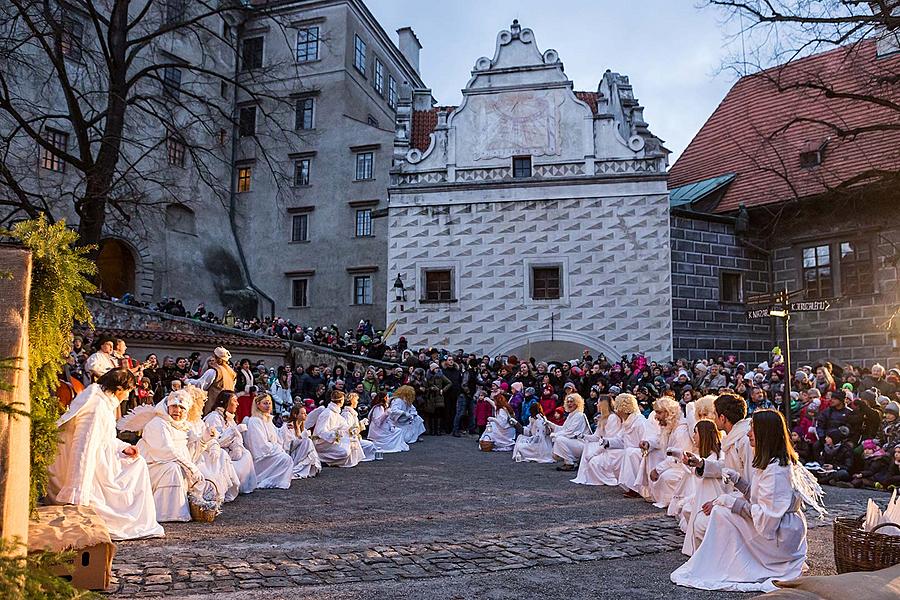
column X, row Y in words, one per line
column 111, row 107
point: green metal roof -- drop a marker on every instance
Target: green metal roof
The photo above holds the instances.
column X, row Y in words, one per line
column 692, row 192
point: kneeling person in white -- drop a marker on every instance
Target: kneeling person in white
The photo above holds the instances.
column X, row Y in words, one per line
column 274, row 468
column 231, row 440
column 759, row 537
column 298, row 443
column 332, row 435
column 534, row 444
column 568, row 438
column 501, row 428
column 94, row 468
column 386, row 436
column 358, row 445
column 164, row 443
column 604, row 468
column 654, row 469
column 404, row 414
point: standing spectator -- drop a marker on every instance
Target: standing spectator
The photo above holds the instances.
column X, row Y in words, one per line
column 101, row 361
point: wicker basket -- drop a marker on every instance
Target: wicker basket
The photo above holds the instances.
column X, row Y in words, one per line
column 486, row 445
column 202, row 514
column 858, row 550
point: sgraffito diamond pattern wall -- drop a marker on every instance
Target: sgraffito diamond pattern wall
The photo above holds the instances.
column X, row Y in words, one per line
column 616, row 271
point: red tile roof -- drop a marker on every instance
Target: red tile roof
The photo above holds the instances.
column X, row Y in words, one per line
column 756, row 134
column 193, row 339
column 424, row 121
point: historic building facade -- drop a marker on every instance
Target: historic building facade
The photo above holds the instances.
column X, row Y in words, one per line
column 532, row 219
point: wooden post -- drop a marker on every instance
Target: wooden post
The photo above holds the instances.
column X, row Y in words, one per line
column 15, row 430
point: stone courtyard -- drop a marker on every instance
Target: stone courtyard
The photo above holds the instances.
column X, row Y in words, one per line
column 441, row 521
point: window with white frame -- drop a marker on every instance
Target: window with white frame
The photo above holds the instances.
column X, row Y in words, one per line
column 392, row 92
column 303, row 113
column 300, row 292
column 365, row 162
column 378, row 82
column 50, row 160
column 301, row 171
column 359, row 54
column 300, row 228
column 362, row 289
column 364, row 222
column 308, row 44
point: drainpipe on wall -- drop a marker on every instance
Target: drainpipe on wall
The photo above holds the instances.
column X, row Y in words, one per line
column 232, row 195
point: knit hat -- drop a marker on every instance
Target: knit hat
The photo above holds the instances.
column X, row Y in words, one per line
column 814, row 393
column 529, row 390
column 892, row 407
column 517, row 386
column 568, row 385
column 614, row 389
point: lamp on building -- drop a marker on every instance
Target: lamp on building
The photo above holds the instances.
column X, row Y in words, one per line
column 399, row 290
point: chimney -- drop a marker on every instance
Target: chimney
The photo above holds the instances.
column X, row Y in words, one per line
column 409, row 46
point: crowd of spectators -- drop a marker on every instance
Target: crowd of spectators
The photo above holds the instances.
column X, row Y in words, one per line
column 845, row 420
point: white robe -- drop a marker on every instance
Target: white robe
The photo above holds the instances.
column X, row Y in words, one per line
column 634, row 473
column 164, row 443
column 604, row 467
column 274, row 467
column 671, row 470
column 386, row 436
column 213, row 460
column 90, row 469
column 607, row 427
column 357, row 443
column 697, row 492
column 534, row 444
column 231, row 440
column 302, row 452
column 332, row 438
column 407, row 418
column 751, row 541
column 567, row 438
column 500, row 431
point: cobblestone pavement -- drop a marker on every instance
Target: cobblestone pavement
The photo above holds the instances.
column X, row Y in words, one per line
column 442, row 511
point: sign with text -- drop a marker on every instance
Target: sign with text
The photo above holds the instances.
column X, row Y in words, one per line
column 759, row 313
column 810, row 306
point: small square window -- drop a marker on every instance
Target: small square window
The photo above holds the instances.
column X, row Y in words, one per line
column 364, row 222
column 175, row 150
column 245, row 176
column 522, row 166
column 303, row 113
column 171, row 82
column 438, row 285
column 359, row 54
column 300, row 293
column 365, row 165
column 731, row 287
column 49, row 159
column 301, row 171
column 362, row 289
column 252, row 53
column 545, row 283
column 308, row 44
column 300, row 228
column 247, row 121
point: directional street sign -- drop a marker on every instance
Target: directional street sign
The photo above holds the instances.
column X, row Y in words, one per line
column 759, row 313
column 810, row 306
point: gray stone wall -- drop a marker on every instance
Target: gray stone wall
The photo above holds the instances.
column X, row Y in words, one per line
column 703, row 326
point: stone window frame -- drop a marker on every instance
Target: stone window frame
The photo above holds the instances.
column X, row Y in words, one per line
column 259, row 60
column 723, row 273
column 523, row 157
column 560, row 261
column 424, row 267
column 301, row 275
column 309, row 45
column 359, row 163
column 834, row 243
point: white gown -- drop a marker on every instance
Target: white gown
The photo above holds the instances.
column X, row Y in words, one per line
column 604, row 467
column 407, row 418
column 745, row 551
column 213, row 460
column 607, row 427
column 568, row 444
column 273, row 465
column 90, row 469
column 332, row 438
column 386, row 436
column 302, row 451
column 357, row 443
column 164, row 443
column 500, row 431
column 697, row 492
column 231, row 440
column 534, row 444
column 634, row 473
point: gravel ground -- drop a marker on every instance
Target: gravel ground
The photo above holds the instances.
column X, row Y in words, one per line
column 443, row 490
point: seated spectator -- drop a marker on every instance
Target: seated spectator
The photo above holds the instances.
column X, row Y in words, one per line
column 837, row 457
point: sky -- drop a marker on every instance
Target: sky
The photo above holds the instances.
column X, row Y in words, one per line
column 672, row 51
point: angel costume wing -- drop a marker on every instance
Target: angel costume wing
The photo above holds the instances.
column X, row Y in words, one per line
column 137, row 418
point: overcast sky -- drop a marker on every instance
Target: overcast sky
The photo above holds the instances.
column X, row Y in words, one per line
column 671, row 50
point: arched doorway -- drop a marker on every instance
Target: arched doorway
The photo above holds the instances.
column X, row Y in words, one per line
column 115, row 268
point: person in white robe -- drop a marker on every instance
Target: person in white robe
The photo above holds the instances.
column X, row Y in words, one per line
column 605, row 466
column 331, row 435
column 404, row 415
column 173, row 472
column 737, row 454
column 102, row 361
column 702, row 408
column 568, row 438
column 757, row 536
column 357, row 443
column 274, row 467
column 501, row 427
column 297, row 442
column 231, row 439
column 645, row 470
column 386, row 436
column 607, row 425
column 700, row 490
column 208, row 454
column 534, row 444
column 94, row 468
